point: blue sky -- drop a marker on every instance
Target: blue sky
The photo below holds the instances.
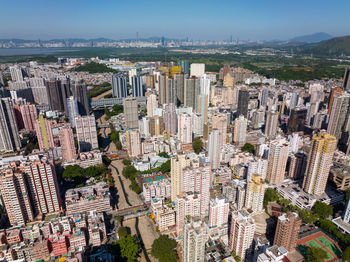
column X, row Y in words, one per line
column 246, row 19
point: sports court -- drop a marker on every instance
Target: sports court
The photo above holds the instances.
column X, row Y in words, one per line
column 318, row 238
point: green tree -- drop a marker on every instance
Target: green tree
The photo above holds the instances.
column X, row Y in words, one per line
column 126, row 162
column 165, row 167
column 122, row 232
column 316, row 254
column 346, row 254
column 129, row 248
column 118, row 145
column 322, row 209
column 72, row 172
column 270, row 196
column 197, row 145
column 163, row 154
column 129, row 172
column 126, row 249
column 163, row 248
column 119, row 219
column 308, row 216
column 235, row 256
column 248, row 148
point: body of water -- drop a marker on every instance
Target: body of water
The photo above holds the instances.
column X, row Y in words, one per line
column 33, row 51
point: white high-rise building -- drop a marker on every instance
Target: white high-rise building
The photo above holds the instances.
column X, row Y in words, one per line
column 240, row 132
column 219, row 121
column 16, row 74
column 197, row 178
column 187, row 204
column 277, row 160
column 133, row 142
column 205, row 85
column 258, row 166
column 197, row 70
column 86, row 132
column 152, row 103
column 195, row 237
column 241, row 233
column 294, row 142
column 218, row 211
column 185, row 128
column 214, row 147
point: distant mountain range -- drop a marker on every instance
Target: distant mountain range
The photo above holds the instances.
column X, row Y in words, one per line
column 334, row 46
column 313, row 38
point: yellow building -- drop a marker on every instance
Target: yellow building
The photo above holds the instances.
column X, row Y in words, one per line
column 228, row 80
column 175, row 70
column 165, row 70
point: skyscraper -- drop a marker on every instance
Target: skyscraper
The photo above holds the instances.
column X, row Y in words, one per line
column 43, row 129
column 287, row 231
column 192, row 90
column 177, row 165
column 297, row 119
column 137, row 86
column 170, row 118
column 202, row 107
column 152, row 103
column 271, row 123
column 67, row 143
column 218, row 211
column 319, row 163
column 184, row 65
column 197, row 70
column 195, row 237
column 243, row 101
column 9, row 136
column 86, row 133
column 264, row 95
column 131, row 112
column 56, row 94
column 240, row 133
column 241, row 233
column 346, row 81
column 179, row 85
column 43, row 186
column 29, row 116
column 72, row 110
column 119, row 88
column 133, row 142
column 80, row 94
column 187, row 204
column 219, row 121
column 185, row 128
column 197, row 179
column 277, row 161
column 255, row 194
column 338, row 115
column 15, row 196
column 294, row 100
column 162, row 93
column 214, row 147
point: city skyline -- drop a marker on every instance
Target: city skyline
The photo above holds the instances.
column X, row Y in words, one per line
column 256, row 20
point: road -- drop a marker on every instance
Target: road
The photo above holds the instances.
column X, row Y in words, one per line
column 142, row 227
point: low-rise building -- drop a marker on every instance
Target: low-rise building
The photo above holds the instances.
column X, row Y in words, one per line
column 84, row 199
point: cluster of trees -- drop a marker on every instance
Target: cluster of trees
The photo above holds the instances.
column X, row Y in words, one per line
column 116, row 110
column 164, row 168
column 248, row 148
column 164, row 154
column 315, row 254
column 328, row 226
column 197, row 145
column 163, row 248
column 77, row 175
column 127, row 249
column 93, row 68
column 131, row 173
column 319, row 211
column 97, row 90
column 114, row 137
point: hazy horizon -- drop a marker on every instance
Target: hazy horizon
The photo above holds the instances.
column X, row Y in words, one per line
column 198, row 20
